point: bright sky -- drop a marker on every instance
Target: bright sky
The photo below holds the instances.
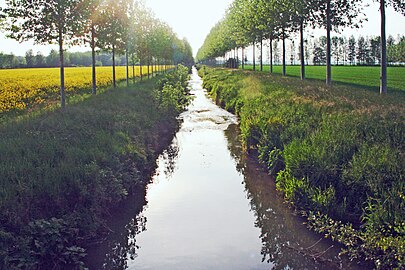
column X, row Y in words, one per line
column 193, row 19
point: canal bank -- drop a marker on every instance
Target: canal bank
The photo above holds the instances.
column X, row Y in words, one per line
column 210, row 206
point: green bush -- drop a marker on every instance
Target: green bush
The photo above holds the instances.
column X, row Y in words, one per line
column 173, row 93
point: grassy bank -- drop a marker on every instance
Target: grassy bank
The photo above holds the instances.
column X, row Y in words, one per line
column 359, row 76
column 337, row 153
column 62, row 173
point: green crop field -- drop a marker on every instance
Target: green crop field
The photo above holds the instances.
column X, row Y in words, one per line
column 355, row 75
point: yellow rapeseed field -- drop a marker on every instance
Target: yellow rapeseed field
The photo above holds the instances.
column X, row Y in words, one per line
column 22, row 89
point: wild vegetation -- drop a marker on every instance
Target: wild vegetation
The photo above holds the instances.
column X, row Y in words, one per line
column 62, row 173
column 337, row 154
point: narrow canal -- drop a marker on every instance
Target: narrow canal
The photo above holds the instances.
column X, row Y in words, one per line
column 209, row 206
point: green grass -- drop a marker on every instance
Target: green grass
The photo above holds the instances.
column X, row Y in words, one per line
column 62, row 172
column 368, row 77
column 334, row 150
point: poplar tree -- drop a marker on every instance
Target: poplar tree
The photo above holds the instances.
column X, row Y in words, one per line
column 113, row 29
column 47, row 22
column 399, row 6
column 92, row 16
column 332, row 15
column 302, row 15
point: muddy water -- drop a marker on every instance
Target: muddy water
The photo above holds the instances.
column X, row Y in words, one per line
column 209, row 206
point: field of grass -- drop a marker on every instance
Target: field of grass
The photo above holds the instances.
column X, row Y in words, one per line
column 355, row 75
column 22, row 89
column 61, row 173
column 337, row 154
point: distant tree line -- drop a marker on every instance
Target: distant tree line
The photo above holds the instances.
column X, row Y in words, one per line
column 345, row 51
column 360, row 51
column 72, row 59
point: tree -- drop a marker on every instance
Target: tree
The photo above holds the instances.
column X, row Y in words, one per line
column 292, row 52
column 92, row 24
column 237, row 23
column 113, row 26
column 266, row 16
column 276, row 52
column 302, row 15
column 342, row 49
column 285, row 25
column 352, row 50
column 52, row 60
column 335, row 49
column 46, row 22
column 362, row 50
column 333, row 14
column 40, row 60
column 399, row 6
column 375, row 50
column 319, row 52
column 30, row 58
column 8, row 61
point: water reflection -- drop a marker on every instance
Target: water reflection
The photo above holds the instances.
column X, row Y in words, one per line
column 211, row 207
column 123, row 251
column 286, row 242
column 167, row 162
column 121, row 246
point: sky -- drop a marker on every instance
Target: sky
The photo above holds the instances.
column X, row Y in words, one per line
column 193, row 19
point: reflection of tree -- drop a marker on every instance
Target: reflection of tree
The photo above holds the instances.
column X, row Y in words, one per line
column 169, row 158
column 285, row 239
column 124, row 250
column 123, row 246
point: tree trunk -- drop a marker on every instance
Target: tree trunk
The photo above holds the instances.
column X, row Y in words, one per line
column 243, row 58
column 93, row 59
column 148, row 68
column 127, row 65
column 254, row 56
column 153, row 67
column 62, row 71
column 302, row 51
column 237, row 58
column 271, row 55
column 328, row 45
column 140, row 67
column 113, row 59
column 383, row 83
column 284, row 64
column 133, row 70
column 261, row 54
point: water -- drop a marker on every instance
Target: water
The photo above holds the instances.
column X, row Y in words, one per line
column 210, row 206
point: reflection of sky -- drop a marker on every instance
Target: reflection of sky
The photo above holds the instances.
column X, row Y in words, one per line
column 198, row 217
column 211, row 207
column 193, row 19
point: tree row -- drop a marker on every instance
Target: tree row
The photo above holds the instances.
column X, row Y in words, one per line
column 120, row 27
column 251, row 22
column 345, row 51
column 72, row 59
